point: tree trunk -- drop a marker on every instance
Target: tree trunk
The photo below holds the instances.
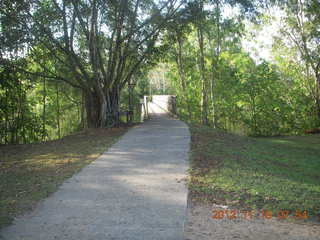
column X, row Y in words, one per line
column 92, row 109
column 58, row 110
column 182, row 75
column 204, row 101
column 102, row 109
column 318, row 95
column 215, row 71
column 44, row 110
column 82, row 120
column 6, row 140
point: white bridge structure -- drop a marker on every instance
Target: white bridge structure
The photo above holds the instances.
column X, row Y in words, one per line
column 159, row 104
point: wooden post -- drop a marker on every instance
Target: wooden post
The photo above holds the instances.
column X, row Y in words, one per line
column 145, row 98
column 130, row 103
column 142, row 109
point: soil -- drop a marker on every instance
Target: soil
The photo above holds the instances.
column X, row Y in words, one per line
column 201, row 225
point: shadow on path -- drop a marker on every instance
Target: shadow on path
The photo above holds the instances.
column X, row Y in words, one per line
column 135, row 190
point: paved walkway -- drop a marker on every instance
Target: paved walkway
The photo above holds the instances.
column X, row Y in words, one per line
column 133, row 191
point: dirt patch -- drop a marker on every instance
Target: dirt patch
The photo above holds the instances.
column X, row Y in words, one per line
column 201, row 225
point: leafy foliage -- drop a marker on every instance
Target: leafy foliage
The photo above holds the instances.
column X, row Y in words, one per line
column 234, row 91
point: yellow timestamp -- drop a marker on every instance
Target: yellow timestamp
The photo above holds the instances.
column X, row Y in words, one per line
column 265, row 214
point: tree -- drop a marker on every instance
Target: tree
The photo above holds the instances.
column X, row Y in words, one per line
column 302, row 29
column 176, row 36
column 100, row 44
column 212, row 32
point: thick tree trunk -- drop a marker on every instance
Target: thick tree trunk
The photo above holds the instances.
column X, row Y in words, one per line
column 92, row 109
column 102, row 109
column 113, row 105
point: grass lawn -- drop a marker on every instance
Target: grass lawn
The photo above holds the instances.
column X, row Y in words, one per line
column 276, row 173
column 30, row 172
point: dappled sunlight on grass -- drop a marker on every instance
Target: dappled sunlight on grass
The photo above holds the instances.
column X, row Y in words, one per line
column 282, row 141
column 308, row 141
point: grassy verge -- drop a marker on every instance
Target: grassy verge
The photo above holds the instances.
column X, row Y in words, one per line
column 29, row 173
column 277, row 173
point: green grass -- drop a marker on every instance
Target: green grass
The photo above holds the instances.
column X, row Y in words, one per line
column 276, row 173
column 30, row 172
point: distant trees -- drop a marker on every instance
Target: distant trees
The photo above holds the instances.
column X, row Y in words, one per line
column 242, row 95
column 18, row 124
column 33, row 109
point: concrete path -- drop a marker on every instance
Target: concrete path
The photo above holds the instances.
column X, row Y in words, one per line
column 133, row 191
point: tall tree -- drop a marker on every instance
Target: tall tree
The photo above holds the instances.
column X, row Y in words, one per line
column 199, row 20
column 101, row 44
column 205, row 83
column 302, row 29
column 177, row 34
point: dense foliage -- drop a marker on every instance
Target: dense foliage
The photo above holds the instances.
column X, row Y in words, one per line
column 95, row 46
column 66, row 65
column 35, row 109
column 219, row 84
